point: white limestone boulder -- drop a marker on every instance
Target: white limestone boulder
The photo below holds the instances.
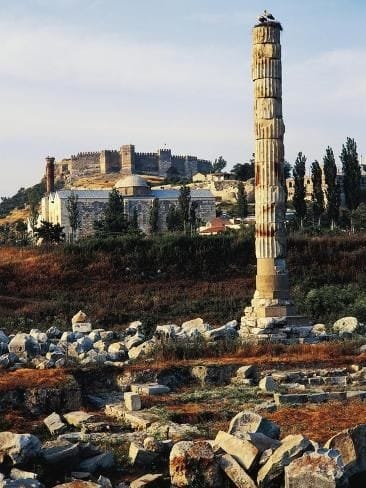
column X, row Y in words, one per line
column 247, row 421
column 132, row 401
column 351, row 443
column 322, row 469
column 77, row 418
column 147, row 481
column 59, row 451
column 24, row 345
column 54, row 423
column 135, row 340
column 195, row 328
column 235, row 472
column 272, row 472
column 319, row 330
column 168, row 331
column 38, row 335
column 346, row 325
column 194, row 464
column 145, row 349
column 20, row 448
column 242, row 450
column 268, row 384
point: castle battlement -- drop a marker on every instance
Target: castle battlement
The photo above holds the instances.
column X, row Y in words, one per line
column 126, row 161
column 146, row 155
column 85, row 154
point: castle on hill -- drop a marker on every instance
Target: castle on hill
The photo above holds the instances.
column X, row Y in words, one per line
column 138, row 199
column 127, row 161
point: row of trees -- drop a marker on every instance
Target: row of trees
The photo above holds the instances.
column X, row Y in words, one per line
column 114, row 220
column 326, row 204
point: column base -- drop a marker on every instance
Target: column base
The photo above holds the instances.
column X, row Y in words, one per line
column 274, row 321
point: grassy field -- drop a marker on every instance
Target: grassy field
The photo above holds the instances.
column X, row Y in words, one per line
column 173, row 279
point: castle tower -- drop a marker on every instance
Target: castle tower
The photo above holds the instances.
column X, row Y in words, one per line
column 165, row 161
column 50, row 175
column 271, row 307
column 128, row 159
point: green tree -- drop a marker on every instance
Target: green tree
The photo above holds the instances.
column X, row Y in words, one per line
column 33, row 203
column 50, row 233
column 241, row 201
column 351, row 174
column 333, row 190
column 174, row 220
column 154, row 216
column 114, row 219
column 21, row 233
column 193, row 221
column 184, row 203
column 299, row 187
column 219, row 165
column 318, row 195
column 134, row 224
column 74, row 214
column 359, row 217
column 243, row 172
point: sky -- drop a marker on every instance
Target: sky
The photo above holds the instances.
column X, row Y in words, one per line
column 86, row 75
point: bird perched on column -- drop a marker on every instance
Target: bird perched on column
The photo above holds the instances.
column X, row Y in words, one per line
column 268, row 15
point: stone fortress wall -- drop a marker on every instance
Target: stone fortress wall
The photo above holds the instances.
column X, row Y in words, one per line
column 127, row 161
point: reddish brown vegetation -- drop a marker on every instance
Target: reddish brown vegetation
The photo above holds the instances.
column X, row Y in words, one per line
column 32, row 378
column 320, row 422
column 40, row 285
column 269, row 355
column 20, row 422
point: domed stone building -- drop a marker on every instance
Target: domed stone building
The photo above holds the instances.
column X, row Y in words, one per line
column 133, row 186
column 138, row 198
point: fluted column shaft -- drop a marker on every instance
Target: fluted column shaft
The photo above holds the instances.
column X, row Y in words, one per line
column 272, row 277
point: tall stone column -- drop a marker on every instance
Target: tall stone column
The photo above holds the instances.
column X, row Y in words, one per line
column 271, row 304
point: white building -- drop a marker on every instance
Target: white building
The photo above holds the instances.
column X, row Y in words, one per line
column 137, row 194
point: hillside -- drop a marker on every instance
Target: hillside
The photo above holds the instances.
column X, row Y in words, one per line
column 20, row 200
column 16, row 207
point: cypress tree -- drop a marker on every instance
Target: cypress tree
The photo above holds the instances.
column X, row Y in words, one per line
column 242, row 203
column 135, row 220
column 318, row 195
column 154, row 216
column 299, row 193
column 184, row 202
column 74, row 214
column 174, row 221
column 351, row 174
column 114, row 219
column 193, row 217
column 333, row 191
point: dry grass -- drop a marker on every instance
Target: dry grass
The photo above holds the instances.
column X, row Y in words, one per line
column 320, row 422
column 332, row 354
column 107, row 182
column 15, row 215
column 32, row 378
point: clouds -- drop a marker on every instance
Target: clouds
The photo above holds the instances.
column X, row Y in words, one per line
column 325, row 101
column 80, row 76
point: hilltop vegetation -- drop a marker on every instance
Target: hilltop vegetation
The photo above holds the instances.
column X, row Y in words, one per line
column 173, row 278
column 21, row 198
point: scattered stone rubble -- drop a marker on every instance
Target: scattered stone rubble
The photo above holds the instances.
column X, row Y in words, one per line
column 251, row 454
column 86, row 346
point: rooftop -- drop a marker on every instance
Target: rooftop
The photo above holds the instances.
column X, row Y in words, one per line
column 134, row 181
